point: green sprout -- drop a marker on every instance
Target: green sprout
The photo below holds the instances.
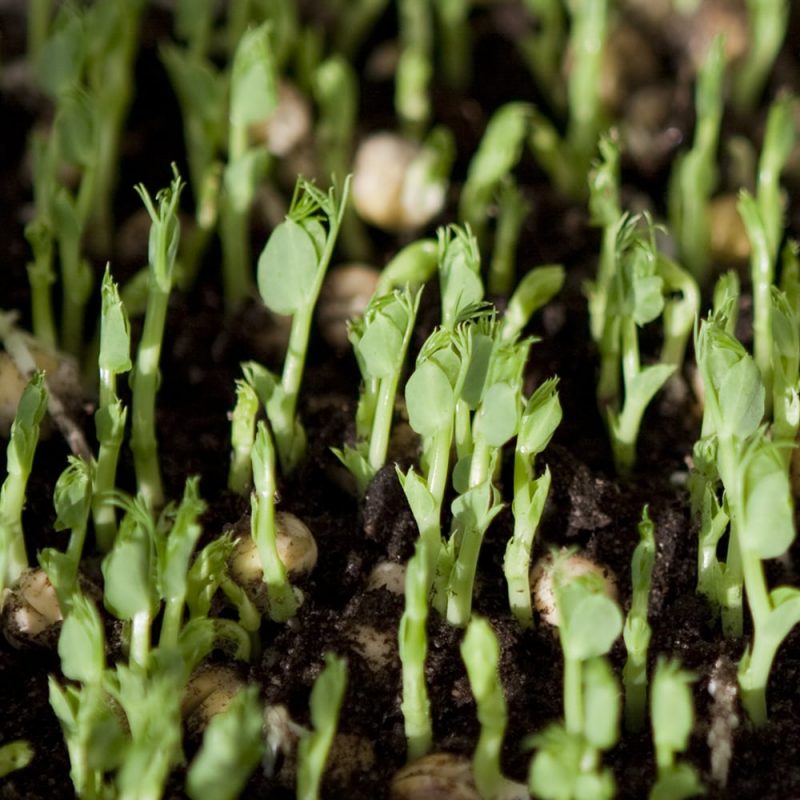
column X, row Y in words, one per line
column 253, row 97
column 72, row 498
column 637, row 631
column 767, row 26
column 414, row 68
column 413, row 646
column 314, row 746
column 412, row 266
column 380, row 340
column 589, row 624
column 111, row 415
column 15, row 755
column 163, row 249
column 19, row 462
column 567, row 160
column 567, row 763
column 243, row 434
column 481, row 655
column 291, row 269
column 533, row 292
column 282, row 601
column 694, row 173
column 512, row 211
column 454, row 48
column 498, row 153
column 544, row 48
column 232, row 747
column 672, row 718
column 540, row 418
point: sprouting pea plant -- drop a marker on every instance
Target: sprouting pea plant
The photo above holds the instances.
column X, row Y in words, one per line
column 412, row 641
column 759, row 501
column 282, row 601
column 19, row 459
column 637, row 631
column 291, row 269
column 763, row 219
column 15, row 755
column 567, row 762
column 672, row 719
column 635, row 285
column 243, row 435
column 380, row 340
column 233, row 744
column 566, row 160
column 512, row 210
column 481, row 655
column 326, row 702
column 162, row 253
column 694, row 173
column 543, row 49
column 540, row 418
column 768, row 23
column 415, row 65
column 412, row 266
column 111, row 415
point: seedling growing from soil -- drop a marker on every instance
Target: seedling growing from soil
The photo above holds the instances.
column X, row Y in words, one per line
column 380, row 340
column 540, row 418
column 481, row 654
column 512, row 210
column 19, row 462
column 291, row 269
column 415, row 66
column 162, row 252
column 110, row 417
column 282, row 602
column 243, row 435
column 672, row 718
column 15, row 755
column 313, row 748
column 694, row 173
column 232, row 747
column 498, row 153
column 413, row 647
column 768, row 22
column 637, row 631
column 567, row 763
column 536, row 289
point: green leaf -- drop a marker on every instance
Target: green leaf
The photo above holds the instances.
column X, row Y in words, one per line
column 767, row 525
column 380, row 345
column 232, row 746
column 540, row 418
column 81, row 643
column 254, row 93
column 741, row 398
column 287, row 268
column 115, row 335
column 429, row 399
column 498, row 417
column 679, row 782
column 671, row 707
column 481, row 347
column 72, row 495
column 601, row 704
column 15, row 755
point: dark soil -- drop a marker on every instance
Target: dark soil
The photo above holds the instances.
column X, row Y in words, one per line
column 589, row 506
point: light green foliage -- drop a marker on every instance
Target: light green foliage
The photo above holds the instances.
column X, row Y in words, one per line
column 162, row 252
column 498, row 153
column 412, row 642
column 672, row 718
column 694, row 174
column 481, row 654
column 768, row 23
column 513, row 209
column 81, row 643
column 637, row 632
column 326, row 702
column 536, row 289
column 380, row 340
column 291, row 269
column 19, row 461
column 15, row 755
column 412, row 266
column 589, row 624
column 459, row 273
column 243, row 428
column 415, row 67
column 282, row 601
column 540, row 418
column 232, row 746
column 786, row 371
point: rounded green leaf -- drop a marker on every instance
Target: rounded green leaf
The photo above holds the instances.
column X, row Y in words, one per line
column 429, row 399
column 741, row 398
column 287, row 268
column 592, row 628
column 499, row 414
column 380, row 347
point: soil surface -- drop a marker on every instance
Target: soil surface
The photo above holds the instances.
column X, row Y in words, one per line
column 589, row 506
